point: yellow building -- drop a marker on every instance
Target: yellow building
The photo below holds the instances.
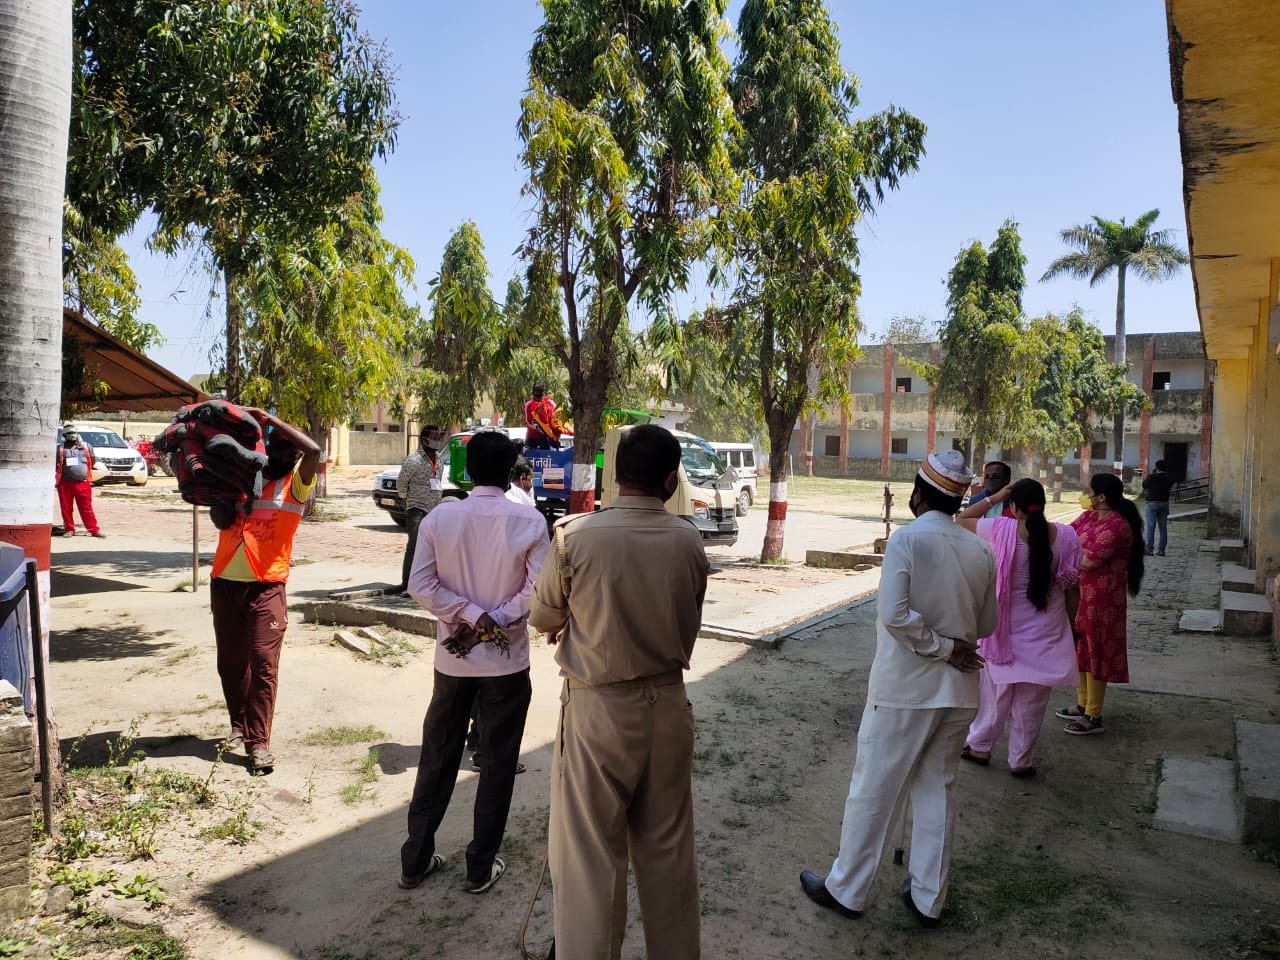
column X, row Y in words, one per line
column 1224, row 60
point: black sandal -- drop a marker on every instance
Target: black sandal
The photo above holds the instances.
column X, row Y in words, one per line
column 1070, row 713
column 968, row 754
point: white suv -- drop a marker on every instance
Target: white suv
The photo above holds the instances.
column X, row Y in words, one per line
column 742, row 458
column 114, row 461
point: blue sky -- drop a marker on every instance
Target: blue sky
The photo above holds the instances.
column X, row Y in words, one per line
column 1046, row 113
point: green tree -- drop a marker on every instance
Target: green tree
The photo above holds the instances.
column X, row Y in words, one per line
column 99, row 283
column 713, row 380
column 905, row 329
column 624, row 130
column 35, row 102
column 1075, row 382
column 246, row 123
column 328, row 322
column 810, row 171
column 1106, row 245
column 521, row 359
column 462, row 335
column 988, row 364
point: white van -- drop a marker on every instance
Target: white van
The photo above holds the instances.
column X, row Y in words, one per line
column 742, row 458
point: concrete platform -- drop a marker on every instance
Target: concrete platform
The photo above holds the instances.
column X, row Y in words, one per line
column 763, row 620
column 1238, row 579
column 1258, row 774
column 1201, row 621
column 1245, row 614
column 1230, row 551
column 843, row 559
column 1196, row 797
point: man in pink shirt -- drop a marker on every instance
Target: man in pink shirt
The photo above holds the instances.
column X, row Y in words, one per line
column 474, row 569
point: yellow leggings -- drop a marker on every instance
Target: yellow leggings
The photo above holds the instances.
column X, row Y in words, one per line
column 1090, row 694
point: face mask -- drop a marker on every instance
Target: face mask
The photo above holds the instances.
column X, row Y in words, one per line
column 993, row 486
column 1086, row 501
column 436, row 445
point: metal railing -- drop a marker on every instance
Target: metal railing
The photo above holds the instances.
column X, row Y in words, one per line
column 1190, row 491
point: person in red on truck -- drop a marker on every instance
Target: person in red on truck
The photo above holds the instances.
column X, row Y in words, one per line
column 542, row 428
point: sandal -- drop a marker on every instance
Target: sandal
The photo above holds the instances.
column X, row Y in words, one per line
column 1070, row 713
column 1083, row 727
column 1023, row 772
column 968, row 754
column 407, row 882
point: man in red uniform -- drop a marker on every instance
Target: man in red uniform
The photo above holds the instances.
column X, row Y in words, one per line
column 247, row 595
column 74, row 478
column 541, row 428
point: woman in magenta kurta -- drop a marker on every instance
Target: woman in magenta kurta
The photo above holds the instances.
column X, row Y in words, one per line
column 1110, row 531
column 1031, row 652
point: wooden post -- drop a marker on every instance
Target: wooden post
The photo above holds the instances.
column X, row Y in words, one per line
column 195, row 549
column 42, row 697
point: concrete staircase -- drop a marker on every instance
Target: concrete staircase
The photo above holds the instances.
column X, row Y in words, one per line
column 1234, row 800
column 1242, row 611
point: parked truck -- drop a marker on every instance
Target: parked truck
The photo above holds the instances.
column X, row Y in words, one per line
column 705, row 496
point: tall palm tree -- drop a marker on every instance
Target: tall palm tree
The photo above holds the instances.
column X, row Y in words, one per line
column 35, row 110
column 1105, row 245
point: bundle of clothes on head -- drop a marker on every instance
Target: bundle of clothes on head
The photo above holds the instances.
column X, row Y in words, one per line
column 217, row 452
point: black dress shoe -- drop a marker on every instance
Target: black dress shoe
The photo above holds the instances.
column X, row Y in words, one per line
column 815, row 888
column 923, row 919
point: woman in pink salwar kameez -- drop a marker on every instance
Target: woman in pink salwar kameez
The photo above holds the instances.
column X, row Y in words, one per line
column 1032, row 650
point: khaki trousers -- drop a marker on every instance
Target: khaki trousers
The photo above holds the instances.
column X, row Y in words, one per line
column 620, row 785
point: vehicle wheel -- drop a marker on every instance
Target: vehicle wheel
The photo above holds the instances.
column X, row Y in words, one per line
column 400, row 519
column 744, row 503
column 135, row 482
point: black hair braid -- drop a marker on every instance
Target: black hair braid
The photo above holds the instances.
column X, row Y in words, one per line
column 1028, row 496
column 1111, row 488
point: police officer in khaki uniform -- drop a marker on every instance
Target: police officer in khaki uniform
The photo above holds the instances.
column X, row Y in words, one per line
column 623, row 588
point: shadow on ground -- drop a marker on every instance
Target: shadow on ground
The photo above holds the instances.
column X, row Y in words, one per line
column 97, row 749
column 105, row 643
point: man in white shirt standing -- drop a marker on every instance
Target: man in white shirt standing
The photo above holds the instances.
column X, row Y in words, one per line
column 521, row 489
column 937, row 597
column 474, row 569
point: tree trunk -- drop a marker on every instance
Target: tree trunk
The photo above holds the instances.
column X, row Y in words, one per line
column 235, row 317
column 586, row 440
column 35, row 104
column 780, row 431
column 320, row 434
column 1120, row 358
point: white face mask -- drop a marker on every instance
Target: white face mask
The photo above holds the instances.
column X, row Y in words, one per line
column 436, row 445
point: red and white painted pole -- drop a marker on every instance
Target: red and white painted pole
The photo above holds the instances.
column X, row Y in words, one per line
column 582, row 492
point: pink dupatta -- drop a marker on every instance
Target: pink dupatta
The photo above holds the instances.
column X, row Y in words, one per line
column 998, row 648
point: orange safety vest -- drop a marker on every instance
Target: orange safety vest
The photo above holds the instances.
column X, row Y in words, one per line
column 267, row 533
column 62, row 456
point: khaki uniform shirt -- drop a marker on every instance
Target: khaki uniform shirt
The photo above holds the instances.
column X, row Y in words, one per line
column 628, row 600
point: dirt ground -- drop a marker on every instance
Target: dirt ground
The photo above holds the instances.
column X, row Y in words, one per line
column 303, row 862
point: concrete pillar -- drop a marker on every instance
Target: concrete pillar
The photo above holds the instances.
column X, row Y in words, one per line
column 1144, row 425
column 843, row 466
column 1263, row 537
column 1228, row 467
column 1206, row 419
column 931, row 431
column 887, row 415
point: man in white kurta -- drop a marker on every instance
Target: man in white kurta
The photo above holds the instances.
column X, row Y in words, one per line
column 937, row 597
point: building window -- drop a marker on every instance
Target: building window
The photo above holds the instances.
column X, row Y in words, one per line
column 832, row 442
column 1162, row 380
column 898, row 445
column 904, row 385
column 1098, row 451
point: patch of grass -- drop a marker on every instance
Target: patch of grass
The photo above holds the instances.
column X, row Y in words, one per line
column 236, row 829
column 344, row 736
column 396, row 651
column 366, row 773
column 760, row 794
column 184, row 586
column 727, row 759
column 141, row 887
column 736, row 822
column 81, row 882
column 147, row 943
column 1004, row 890
column 176, row 658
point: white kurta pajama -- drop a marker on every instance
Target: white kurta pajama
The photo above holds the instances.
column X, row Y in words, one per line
column 938, row 582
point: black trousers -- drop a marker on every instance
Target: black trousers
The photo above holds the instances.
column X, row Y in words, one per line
column 412, row 521
column 503, row 703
